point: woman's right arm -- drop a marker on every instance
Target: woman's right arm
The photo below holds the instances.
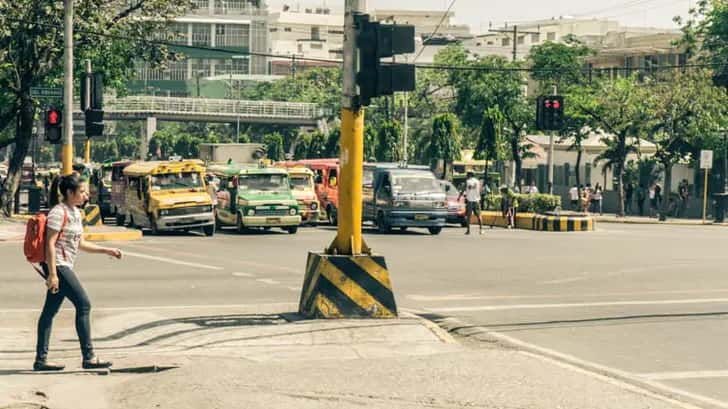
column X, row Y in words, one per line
column 52, row 280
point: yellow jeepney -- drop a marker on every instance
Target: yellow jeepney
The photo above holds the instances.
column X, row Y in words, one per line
column 302, row 185
column 168, row 195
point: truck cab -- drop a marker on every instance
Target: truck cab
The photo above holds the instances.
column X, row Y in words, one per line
column 165, row 196
column 326, row 182
column 255, row 197
column 303, row 188
column 403, row 197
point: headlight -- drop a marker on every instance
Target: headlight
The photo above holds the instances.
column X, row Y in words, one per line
column 163, row 212
column 400, row 204
column 208, row 208
column 314, row 205
column 251, row 212
column 292, row 212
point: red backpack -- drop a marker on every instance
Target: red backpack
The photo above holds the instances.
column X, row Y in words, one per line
column 35, row 238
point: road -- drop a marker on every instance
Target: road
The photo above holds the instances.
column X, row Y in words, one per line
column 648, row 303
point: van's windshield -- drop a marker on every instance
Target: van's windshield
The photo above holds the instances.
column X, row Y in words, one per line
column 301, row 182
column 272, row 183
column 181, row 180
column 416, row 182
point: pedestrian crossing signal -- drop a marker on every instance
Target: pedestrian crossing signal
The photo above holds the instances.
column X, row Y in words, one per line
column 53, row 126
column 550, row 113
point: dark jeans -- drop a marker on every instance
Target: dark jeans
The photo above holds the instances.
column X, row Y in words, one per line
column 68, row 287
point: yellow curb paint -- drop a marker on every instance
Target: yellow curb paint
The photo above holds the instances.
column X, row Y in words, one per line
column 113, row 236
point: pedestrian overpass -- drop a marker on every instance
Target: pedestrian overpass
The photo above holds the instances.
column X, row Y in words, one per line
column 210, row 110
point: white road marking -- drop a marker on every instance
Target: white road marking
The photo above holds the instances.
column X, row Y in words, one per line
column 246, row 275
column 476, row 297
column 577, row 305
column 171, row 261
column 615, row 376
column 673, row 376
column 268, row 281
column 296, row 289
column 271, row 306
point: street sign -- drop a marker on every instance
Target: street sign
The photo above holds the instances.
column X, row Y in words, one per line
column 46, row 92
column 706, row 159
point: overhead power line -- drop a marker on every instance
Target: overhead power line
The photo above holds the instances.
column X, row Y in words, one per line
column 434, row 32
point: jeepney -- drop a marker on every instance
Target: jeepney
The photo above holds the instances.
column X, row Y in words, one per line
column 100, row 189
column 255, row 197
column 326, row 172
column 301, row 180
column 164, row 196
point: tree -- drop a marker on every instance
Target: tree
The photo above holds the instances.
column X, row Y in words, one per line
column 274, row 146
column 559, row 64
column 445, row 140
column 686, row 110
column 487, row 147
column 389, row 142
column 31, row 55
column 618, row 108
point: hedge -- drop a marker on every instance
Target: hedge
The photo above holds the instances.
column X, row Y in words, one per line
column 536, row 203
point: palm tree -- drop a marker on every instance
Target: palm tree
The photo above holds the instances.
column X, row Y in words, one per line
column 614, row 157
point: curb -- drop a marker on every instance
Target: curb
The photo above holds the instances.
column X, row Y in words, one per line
column 539, row 222
column 659, row 223
column 129, row 235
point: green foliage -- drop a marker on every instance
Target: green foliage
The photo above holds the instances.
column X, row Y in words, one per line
column 559, row 64
column 488, row 141
column 389, row 142
column 536, row 203
column 444, row 142
column 274, row 146
column 370, row 143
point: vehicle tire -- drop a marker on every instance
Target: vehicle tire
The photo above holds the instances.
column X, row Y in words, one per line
column 120, row 219
column 382, row 225
column 217, row 222
column 291, row 229
column 239, row 227
column 131, row 222
column 333, row 217
column 403, row 229
column 155, row 229
column 209, row 230
column 434, row 230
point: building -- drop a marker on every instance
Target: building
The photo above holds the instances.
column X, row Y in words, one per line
column 238, row 25
column 299, row 34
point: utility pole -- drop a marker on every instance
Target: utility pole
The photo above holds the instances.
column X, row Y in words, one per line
column 515, row 33
column 406, row 127
column 67, row 149
column 349, row 239
column 551, row 154
column 87, row 79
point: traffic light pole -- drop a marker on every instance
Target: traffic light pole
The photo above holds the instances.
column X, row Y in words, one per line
column 87, row 79
column 349, row 238
column 551, row 156
column 67, row 149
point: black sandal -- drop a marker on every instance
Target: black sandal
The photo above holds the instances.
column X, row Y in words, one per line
column 95, row 363
column 47, row 366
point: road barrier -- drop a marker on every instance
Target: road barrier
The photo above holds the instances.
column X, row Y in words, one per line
column 92, row 216
column 343, row 286
column 539, row 222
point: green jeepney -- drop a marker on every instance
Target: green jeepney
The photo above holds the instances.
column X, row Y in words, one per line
column 255, row 197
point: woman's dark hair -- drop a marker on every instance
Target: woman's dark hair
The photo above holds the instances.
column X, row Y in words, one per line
column 62, row 185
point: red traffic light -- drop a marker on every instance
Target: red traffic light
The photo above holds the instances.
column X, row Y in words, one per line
column 547, row 104
column 557, row 105
column 54, row 117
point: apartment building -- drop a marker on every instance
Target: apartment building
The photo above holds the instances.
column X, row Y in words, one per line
column 237, row 25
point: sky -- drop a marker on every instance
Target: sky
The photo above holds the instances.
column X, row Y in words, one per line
column 478, row 14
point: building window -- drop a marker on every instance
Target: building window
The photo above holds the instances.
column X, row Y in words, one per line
column 551, row 36
column 521, row 40
column 287, row 29
column 201, row 5
column 300, row 48
column 315, row 33
column 177, row 33
column 535, row 38
column 336, row 32
column 232, row 35
column 200, row 34
column 234, row 7
column 273, row 30
column 317, row 46
column 506, row 42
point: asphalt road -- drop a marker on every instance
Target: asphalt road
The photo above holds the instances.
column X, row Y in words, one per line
column 648, row 302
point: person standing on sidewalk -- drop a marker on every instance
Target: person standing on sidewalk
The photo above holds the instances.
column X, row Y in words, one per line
column 641, row 196
column 628, row 193
column 64, row 239
column 597, row 199
column 684, row 192
column 472, row 201
column 574, row 197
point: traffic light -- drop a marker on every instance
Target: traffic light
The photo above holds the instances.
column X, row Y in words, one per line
column 376, row 41
column 54, row 125
column 550, row 113
column 93, row 108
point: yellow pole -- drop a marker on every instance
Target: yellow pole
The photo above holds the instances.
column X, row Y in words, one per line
column 705, row 196
column 87, row 151
column 67, row 158
column 348, row 239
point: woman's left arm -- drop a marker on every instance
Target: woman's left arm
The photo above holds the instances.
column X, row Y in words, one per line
column 92, row 248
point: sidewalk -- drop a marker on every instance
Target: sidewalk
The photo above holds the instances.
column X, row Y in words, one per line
column 260, row 357
column 612, row 218
column 13, row 229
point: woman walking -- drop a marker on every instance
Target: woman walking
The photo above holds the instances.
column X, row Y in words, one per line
column 64, row 238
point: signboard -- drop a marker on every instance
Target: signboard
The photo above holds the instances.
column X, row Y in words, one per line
column 706, row 159
column 46, row 92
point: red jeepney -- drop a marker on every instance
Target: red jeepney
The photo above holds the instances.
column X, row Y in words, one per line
column 326, row 180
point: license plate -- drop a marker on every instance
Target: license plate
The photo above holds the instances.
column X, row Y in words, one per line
column 421, row 217
column 273, row 220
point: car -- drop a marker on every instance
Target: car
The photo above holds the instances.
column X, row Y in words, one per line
column 455, row 203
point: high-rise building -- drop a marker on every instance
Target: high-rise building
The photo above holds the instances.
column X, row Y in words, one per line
column 237, row 25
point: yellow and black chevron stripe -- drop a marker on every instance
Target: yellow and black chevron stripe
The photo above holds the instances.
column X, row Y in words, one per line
column 340, row 286
column 92, row 216
column 563, row 223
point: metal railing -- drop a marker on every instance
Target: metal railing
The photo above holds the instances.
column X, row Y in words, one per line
column 214, row 107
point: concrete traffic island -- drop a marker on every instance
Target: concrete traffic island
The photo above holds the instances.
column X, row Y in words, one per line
column 540, row 222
